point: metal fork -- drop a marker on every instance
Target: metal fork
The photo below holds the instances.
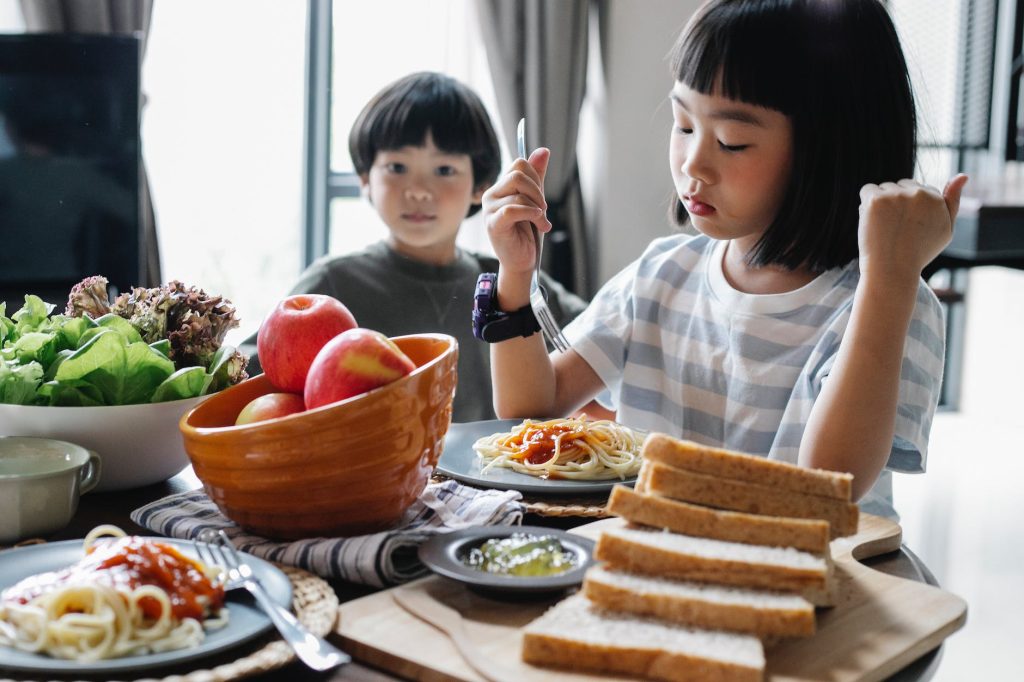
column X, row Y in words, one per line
column 216, row 549
column 538, row 302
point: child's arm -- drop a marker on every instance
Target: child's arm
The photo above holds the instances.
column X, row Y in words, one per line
column 527, row 382
column 903, row 226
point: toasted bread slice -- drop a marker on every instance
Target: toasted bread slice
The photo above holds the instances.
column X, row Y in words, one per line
column 723, row 493
column 661, row 512
column 576, row 635
column 722, row 463
column 670, row 555
column 736, row 609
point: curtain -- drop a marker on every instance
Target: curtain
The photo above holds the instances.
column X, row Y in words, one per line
column 106, row 17
column 537, row 52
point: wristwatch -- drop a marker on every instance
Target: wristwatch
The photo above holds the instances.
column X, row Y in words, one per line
column 493, row 325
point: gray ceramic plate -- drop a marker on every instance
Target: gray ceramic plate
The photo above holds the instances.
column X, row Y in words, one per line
column 460, row 461
column 245, row 622
column 444, row 555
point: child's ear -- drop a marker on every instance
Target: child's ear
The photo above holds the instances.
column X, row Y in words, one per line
column 364, row 186
column 478, row 194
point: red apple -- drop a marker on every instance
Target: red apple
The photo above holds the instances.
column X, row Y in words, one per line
column 294, row 332
column 354, row 362
column 269, row 406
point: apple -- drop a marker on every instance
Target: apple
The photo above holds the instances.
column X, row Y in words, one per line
column 294, row 332
column 354, row 362
column 270, row 406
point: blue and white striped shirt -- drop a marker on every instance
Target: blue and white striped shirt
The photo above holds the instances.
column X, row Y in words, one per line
column 684, row 353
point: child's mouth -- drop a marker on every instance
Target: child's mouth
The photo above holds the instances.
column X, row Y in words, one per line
column 698, row 208
column 418, row 217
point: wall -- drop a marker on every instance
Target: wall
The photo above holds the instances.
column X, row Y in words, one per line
column 629, row 187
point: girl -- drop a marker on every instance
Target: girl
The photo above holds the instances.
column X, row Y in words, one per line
column 795, row 325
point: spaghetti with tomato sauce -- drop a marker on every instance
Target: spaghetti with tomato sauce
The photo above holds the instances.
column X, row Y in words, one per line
column 127, row 595
column 573, row 448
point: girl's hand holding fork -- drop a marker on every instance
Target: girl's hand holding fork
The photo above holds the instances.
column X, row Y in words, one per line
column 510, row 206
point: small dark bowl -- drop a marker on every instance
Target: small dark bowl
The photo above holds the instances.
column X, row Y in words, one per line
column 443, row 554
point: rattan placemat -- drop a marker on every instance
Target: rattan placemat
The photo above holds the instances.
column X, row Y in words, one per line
column 589, row 506
column 315, row 605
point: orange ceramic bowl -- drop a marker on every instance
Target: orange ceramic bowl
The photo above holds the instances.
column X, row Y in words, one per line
column 347, row 468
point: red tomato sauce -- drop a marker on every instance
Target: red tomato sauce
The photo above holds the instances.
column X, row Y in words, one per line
column 536, row 444
column 128, row 563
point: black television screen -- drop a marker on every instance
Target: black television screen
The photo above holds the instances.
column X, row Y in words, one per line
column 69, row 163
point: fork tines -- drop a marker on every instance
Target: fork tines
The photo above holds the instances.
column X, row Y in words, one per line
column 548, row 325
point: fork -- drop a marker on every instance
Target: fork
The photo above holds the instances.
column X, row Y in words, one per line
column 216, row 549
column 538, row 302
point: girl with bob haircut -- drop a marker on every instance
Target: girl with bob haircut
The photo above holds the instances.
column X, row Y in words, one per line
column 795, row 325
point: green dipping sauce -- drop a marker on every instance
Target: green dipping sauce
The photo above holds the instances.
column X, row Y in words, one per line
column 522, row 555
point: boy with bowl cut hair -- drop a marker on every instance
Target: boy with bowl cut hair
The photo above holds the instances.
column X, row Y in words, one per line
column 425, row 152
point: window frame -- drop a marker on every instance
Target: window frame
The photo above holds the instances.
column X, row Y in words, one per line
column 321, row 184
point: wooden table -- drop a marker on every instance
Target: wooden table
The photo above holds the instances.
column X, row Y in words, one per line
column 114, row 507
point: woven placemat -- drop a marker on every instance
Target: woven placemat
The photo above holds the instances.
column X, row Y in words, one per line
column 591, row 506
column 315, row 605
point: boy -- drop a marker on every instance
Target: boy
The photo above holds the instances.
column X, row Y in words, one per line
column 425, row 152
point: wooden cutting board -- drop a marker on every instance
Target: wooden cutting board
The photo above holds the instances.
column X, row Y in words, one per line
column 880, row 624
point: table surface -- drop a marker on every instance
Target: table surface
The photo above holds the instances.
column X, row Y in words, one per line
column 114, row 507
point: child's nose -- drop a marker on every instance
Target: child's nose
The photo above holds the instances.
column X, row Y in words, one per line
column 417, row 193
column 696, row 164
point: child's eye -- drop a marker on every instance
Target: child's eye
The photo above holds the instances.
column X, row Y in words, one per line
column 732, row 147
column 684, row 131
column 395, row 167
column 445, row 171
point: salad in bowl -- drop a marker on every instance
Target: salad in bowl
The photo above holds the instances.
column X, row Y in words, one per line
column 116, row 376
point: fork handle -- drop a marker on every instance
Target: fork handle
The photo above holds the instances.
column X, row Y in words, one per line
column 316, row 652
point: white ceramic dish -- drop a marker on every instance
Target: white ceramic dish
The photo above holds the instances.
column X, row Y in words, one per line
column 137, row 444
column 245, row 622
column 460, row 461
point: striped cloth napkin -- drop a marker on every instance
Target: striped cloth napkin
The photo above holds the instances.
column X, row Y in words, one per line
column 378, row 560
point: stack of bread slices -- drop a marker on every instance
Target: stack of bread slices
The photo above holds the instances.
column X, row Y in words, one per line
column 723, row 552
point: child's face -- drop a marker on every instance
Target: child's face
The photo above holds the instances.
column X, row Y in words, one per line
column 731, row 163
column 422, row 194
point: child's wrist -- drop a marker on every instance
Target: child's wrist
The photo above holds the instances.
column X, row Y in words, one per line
column 513, row 290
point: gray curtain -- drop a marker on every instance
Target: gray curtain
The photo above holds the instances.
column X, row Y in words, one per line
column 105, row 16
column 537, row 52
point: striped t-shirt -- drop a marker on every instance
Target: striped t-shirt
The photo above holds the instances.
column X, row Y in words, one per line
column 684, row 353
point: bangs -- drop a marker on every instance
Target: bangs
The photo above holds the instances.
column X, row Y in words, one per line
column 744, row 50
column 428, row 107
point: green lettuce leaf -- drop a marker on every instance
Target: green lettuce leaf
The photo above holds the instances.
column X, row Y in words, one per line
column 188, row 382
column 33, row 316
column 19, row 383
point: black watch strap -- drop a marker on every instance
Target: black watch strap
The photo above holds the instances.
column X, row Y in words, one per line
column 493, row 325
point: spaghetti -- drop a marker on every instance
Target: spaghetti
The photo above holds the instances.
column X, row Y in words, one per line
column 127, row 596
column 574, row 448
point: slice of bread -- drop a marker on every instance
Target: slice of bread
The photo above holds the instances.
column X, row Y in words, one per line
column 689, row 519
column 671, row 555
column 575, row 634
column 723, row 493
column 684, row 454
column 760, row 613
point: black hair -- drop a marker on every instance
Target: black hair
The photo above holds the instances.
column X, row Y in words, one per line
column 836, row 69
column 405, row 111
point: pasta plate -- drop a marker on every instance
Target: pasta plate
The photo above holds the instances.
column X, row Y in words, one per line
column 246, row 621
column 460, row 462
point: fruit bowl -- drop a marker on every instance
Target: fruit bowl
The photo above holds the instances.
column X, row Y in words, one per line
column 137, row 444
column 347, row 468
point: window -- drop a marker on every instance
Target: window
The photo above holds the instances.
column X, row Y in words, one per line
column 222, row 141
column 352, row 63
column 950, row 50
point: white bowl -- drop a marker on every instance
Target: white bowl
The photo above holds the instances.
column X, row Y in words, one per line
column 137, row 444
